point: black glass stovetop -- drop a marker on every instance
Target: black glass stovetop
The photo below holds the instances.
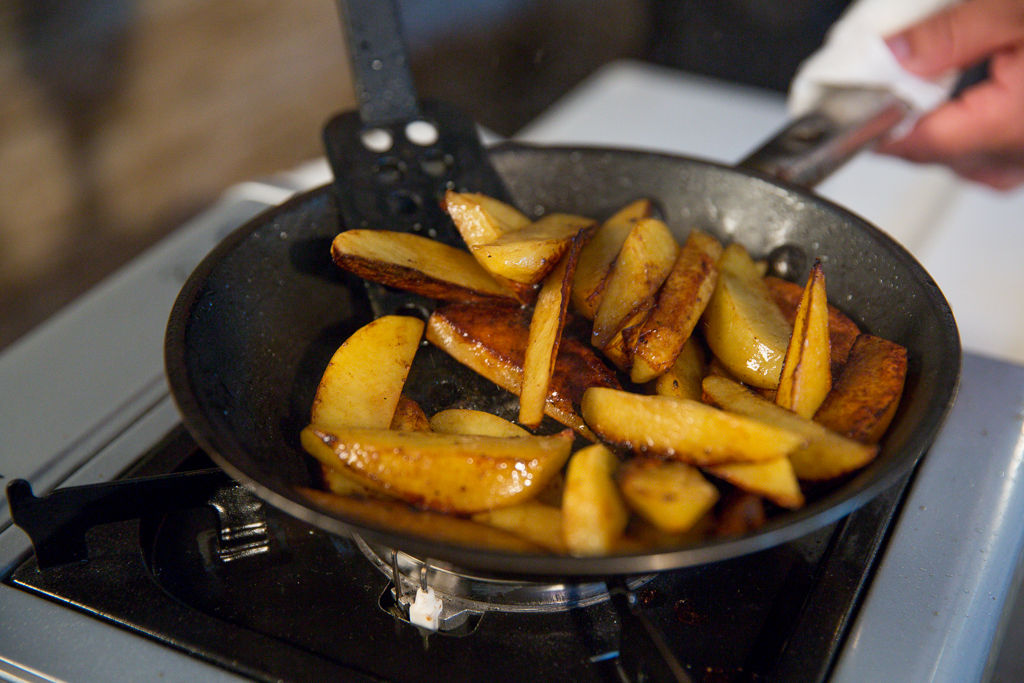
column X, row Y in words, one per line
column 312, row 607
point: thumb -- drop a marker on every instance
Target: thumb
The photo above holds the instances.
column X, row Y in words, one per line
column 959, row 36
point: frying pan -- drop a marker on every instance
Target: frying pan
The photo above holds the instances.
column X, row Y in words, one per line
column 257, row 321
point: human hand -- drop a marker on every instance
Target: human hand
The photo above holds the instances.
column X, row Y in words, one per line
column 979, row 134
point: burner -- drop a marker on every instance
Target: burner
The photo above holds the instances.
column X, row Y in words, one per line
column 466, row 595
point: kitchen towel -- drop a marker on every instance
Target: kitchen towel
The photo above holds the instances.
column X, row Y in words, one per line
column 855, row 54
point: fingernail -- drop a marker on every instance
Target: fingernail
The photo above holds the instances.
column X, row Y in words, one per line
column 899, row 45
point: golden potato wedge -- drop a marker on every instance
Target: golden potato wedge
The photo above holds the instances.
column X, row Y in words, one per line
column 594, row 516
column 445, row 472
column 743, row 325
column 681, row 302
column 824, row 453
column 491, row 340
column 546, row 325
column 773, row 479
column 401, row 518
column 842, row 331
column 867, row 392
column 618, row 350
column 600, row 253
column 534, row 521
column 480, row 219
column 669, row 494
column 527, row 256
column 807, row 370
column 643, row 263
column 415, row 264
column 364, row 379
column 684, row 430
column 409, row 416
column 683, row 379
column 344, row 485
column 477, row 422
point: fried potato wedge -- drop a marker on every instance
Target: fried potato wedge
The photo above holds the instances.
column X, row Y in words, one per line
column 842, row 331
column 344, row 485
column 600, row 253
column 643, row 263
column 681, row 302
column 445, row 472
column 618, row 349
column 594, row 516
column 740, row 513
column 671, row 495
column 807, row 370
column 688, row 431
column 491, row 340
column 824, row 454
column 534, row 521
column 476, row 422
column 527, row 256
column 546, row 325
column 363, row 381
column 481, row 219
column 399, row 517
column 868, row 390
column 683, row 379
column 743, row 325
column 409, row 416
column 415, row 264
column 773, row 479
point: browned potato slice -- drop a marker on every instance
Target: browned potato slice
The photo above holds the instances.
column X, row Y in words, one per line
column 842, row 331
column 416, row 264
column 600, row 253
column 683, row 379
column 671, row 495
column 864, row 399
column 594, row 516
column 399, row 517
column 742, row 323
column 824, row 455
column 773, row 479
column 546, row 325
column 465, row 421
column 618, row 350
column 480, row 219
column 526, row 256
column 534, row 521
column 445, row 472
column 740, row 513
column 364, row 378
column 408, row 416
column 682, row 300
column 643, row 264
column 491, row 340
column 688, row 431
column 807, row 371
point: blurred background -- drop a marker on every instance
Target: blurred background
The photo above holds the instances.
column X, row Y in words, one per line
column 121, row 119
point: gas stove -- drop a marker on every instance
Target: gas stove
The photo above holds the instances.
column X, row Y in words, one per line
column 911, row 587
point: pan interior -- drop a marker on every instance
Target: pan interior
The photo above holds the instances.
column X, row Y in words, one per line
column 257, row 322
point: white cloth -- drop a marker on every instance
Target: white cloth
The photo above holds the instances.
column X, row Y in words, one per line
column 855, row 54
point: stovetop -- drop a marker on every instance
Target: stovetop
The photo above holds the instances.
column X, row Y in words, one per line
column 311, row 607
column 85, row 398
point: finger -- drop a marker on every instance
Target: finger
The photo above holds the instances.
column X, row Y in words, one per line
column 988, row 118
column 959, row 36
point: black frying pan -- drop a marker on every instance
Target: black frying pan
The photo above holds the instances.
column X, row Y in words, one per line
column 256, row 323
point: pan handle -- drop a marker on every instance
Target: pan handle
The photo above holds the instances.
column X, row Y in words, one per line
column 811, row 147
